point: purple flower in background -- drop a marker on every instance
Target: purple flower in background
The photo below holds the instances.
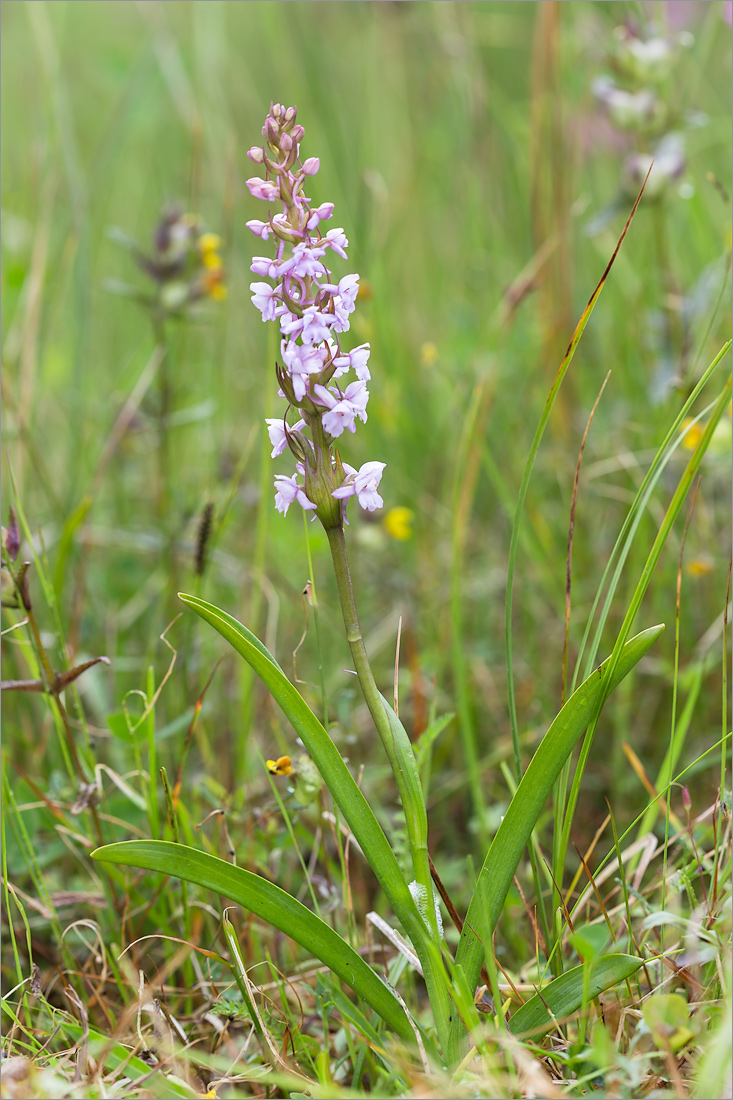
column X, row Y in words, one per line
column 313, row 311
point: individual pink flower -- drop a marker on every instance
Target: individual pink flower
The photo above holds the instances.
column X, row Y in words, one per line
column 355, row 360
column 265, row 266
column 363, row 485
column 336, row 239
column 266, row 298
column 343, row 408
column 344, row 301
column 312, row 327
column 321, row 214
column 288, row 490
column 260, row 229
column 305, row 262
column 303, row 358
column 263, row 189
column 278, row 436
column 311, row 166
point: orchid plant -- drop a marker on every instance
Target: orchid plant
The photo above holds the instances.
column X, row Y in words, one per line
column 312, row 311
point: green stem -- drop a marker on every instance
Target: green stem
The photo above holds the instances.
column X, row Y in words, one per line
column 404, row 767
column 319, row 648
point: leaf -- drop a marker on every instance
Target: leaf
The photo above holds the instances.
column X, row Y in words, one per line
column 566, row 994
column 331, row 994
column 427, row 738
column 347, row 795
column 271, row 904
column 120, row 726
column 66, row 541
column 590, row 941
column 527, row 805
column 667, row 1015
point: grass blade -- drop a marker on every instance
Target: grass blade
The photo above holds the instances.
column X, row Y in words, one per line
column 529, row 466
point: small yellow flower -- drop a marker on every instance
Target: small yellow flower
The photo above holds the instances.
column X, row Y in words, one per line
column 281, row 766
column 214, row 283
column 691, row 433
column 699, row 566
column 212, row 260
column 397, row 523
column 209, row 242
column 428, row 354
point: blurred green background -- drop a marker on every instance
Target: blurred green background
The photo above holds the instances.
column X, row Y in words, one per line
column 480, row 184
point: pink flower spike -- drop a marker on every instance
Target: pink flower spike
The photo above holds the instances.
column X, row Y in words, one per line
column 278, row 436
column 287, row 491
column 263, row 189
column 260, row 229
column 311, row 166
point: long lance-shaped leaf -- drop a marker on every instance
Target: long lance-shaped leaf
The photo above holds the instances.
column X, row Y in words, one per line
column 525, row 808
column 569, row 992
column 273, row 905
column 337, row 777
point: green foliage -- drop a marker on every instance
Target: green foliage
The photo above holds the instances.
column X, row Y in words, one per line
column 273, row 905
column 571, row 991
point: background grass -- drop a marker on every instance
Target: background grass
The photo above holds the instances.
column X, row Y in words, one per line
column 470, row 166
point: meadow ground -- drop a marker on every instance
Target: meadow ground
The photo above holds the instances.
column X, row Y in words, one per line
column 483, row 159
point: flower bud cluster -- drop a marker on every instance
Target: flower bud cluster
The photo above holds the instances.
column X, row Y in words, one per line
column 635, row 102
column 185, row 262
column 312, row 312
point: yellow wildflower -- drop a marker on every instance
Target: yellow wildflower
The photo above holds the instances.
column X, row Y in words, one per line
column 397, row 523
column 691, row 433
column 428, row 354
column 699, row 566
column 214, row 283
column 281, row 766
column 209, row 242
